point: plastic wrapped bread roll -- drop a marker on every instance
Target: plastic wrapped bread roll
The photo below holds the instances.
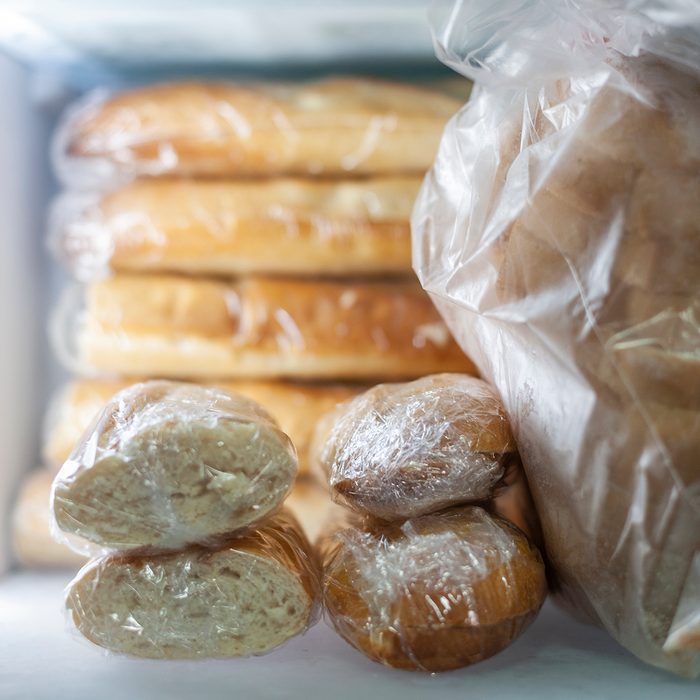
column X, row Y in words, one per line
column 436, row 593
column 32, row 543
column 244, row 596
column 230, row 228
column 264, row 328
column 330, row 127
column 401, row 450
column 168, row 464
column 295, row 406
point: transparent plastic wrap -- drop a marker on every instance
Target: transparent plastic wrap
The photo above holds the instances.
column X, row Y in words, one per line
column 332, row 127
column 558, row 235
column 296, row 407
column 435, row 593
column 223, row 227
column 175, row 327
column 402, row 450
column 168, row 464
column 244, row 596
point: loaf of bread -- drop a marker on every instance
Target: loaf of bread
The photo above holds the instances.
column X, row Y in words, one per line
column 331, row 127
column 402, row 450
column 282, row 226
column 168, row 464
column 32, row 543
column 182, row 328
column 243, row 596
column 582, row 308
column 296, row 407
column 436, row 593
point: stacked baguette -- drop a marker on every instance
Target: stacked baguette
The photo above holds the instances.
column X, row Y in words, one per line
column 254, row 237
column 430, row 573
column 178, row 487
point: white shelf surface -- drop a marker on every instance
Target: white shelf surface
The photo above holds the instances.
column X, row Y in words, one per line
column 556, row 658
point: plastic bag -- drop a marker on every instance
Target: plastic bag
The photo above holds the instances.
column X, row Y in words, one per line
column 558, row 235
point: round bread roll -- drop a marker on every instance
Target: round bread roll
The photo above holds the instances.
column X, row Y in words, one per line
column 244, row 596
column 168, row 464
column 402, row 450
column 437, row 593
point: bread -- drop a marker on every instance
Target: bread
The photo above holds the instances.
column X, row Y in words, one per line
column 245, row 596
column 230, row 228
column 582, row 308
column 182, row 328
column 32, row 543
column 331, row 127
column 311, row 504
column 295, row 406
column 436, row 593
column 167, row 464
column 402, row 450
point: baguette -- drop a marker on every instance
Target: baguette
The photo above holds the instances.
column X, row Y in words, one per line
column 437, row 593
column 295, row 406
column 244, row 596
column 231, row 228
column 402, row 450
column 165, row 465
column 331, row 127
column 264, row 328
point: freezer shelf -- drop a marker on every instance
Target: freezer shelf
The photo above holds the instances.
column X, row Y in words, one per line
column 556, row 658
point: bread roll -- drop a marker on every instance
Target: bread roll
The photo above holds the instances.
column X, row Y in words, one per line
column 436, row 593
column 295, row 406
column 167, row 464
column 296, row 227
column 401, row 450
column 183, row 328
column 244, row 596
column 32, row 542
column 331, row 127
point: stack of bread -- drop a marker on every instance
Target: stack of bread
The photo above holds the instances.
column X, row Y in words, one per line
column 437, row 568
column 179, row 486
column 253, row 237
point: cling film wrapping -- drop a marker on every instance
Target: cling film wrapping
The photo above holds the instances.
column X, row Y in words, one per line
column 169, row 464
column 243, row 596
column 558, row 234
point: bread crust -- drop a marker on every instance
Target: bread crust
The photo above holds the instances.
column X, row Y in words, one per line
column 264, row 328
column 332, row 127
column 440, row 592
column 230, row 228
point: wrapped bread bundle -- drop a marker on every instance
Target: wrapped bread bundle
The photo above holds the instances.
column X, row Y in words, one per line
column 401, row 450
column 166, row 464
column 562, row 249
column 436, row 593
column 330, row 127
column 220, row 227
column 242, row 596
column 295, row 406
column 258, row 327
column 32, row 543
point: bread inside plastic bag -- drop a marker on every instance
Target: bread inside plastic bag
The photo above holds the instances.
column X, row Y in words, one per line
column 558, row 235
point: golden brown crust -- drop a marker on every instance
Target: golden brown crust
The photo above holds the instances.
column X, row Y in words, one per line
column 32, row 542
column 265, row 328
column 231, row 228
column 333, row 126
column 401, row 602
column 295, row 406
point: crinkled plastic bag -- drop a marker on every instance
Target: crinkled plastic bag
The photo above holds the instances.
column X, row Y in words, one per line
column 558, row 235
